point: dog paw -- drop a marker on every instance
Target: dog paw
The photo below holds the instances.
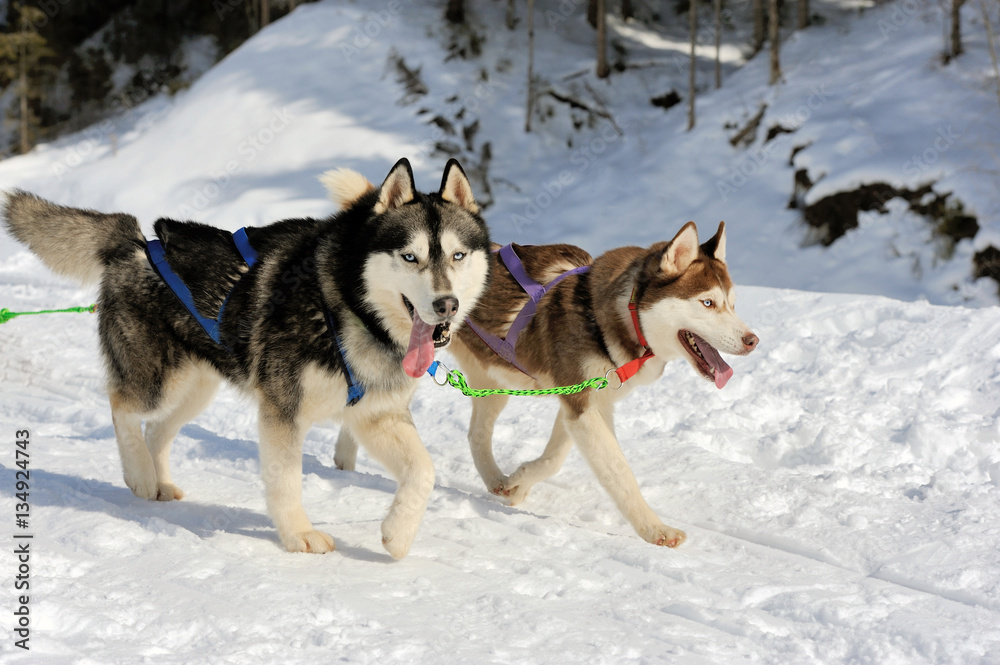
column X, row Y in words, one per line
column 397, row 540
column 665, row 536
column 514, row 494
column 344, row 462
column 168, row 492
column 517, row 487
column 314, row 542
column 143, row 487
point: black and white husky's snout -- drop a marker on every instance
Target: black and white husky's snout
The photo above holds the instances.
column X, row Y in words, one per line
column 446, row 308
column 426, row 337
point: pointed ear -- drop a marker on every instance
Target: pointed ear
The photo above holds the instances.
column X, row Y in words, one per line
column 455, row 187
column 398, row 188
column 716, row 247
column 681, row 251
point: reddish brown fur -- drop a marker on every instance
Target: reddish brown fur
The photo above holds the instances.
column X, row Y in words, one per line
column 567, row 326
column 583, row 326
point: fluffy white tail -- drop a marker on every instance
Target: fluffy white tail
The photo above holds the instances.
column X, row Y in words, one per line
column 73, row 242
column 345, row 186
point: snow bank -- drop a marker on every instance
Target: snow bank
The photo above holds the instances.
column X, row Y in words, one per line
column 840, row 497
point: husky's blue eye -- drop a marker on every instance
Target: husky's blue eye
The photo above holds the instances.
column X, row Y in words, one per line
column 708, row 303
column 409, row 258
column 459, row 256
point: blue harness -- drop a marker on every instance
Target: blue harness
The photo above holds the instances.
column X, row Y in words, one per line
column 158, row 259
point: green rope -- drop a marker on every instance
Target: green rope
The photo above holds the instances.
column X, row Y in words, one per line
column 6, row 315
column 457, row 380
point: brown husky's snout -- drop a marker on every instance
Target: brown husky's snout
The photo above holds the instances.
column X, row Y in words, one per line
column 446, row 307
column 750, row 342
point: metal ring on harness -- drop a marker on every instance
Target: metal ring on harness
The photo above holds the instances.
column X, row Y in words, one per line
column 447, row 373
column 608, row 379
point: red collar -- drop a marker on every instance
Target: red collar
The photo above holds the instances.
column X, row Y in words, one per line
column 633, row 307
column 631, row 368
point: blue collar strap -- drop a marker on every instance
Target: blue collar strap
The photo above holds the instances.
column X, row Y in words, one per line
column 244, row 247
column 355, row 391
column 157, row 258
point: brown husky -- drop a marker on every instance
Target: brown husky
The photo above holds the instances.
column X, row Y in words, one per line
column 628, row 315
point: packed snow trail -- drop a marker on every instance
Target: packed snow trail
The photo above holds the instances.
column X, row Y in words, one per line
column 840, row 498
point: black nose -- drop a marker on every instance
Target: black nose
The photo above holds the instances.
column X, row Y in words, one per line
column 750, row 341
column 446, row 307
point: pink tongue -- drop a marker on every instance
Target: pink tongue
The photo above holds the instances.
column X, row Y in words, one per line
column 723, row 372
column 420, row 355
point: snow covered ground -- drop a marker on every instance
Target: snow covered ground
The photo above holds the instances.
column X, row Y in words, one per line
column 841, row 495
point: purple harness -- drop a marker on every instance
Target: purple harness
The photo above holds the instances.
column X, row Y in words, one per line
column 505, row 347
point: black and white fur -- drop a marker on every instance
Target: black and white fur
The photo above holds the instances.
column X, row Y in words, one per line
column 391, row 252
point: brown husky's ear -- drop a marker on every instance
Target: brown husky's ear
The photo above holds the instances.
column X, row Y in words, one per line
column 398, row 188
column 681, row 251
column 716, row 247
column 455, row 187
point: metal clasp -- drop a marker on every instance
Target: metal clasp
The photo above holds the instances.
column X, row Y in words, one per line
column 607, row 377
column 447, row 373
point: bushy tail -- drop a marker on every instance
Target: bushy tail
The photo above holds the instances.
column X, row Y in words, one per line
column 73, row 242
column 345, row 186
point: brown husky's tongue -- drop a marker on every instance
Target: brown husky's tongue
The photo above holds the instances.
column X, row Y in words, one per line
column 723, row 372
column 420, row 355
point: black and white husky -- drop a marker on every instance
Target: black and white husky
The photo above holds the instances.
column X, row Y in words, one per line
column 362, row 298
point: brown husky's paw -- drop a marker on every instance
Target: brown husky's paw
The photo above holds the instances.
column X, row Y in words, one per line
column 517, row 494
column 497, row 485
column 517, row 485
column 314, row 542
column 168, row 492
column 513, row 494
column 665, row 536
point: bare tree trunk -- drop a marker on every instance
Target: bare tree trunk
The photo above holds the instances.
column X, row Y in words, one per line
column 774, row 35
column 25, row 138
column 592, row 13
column 990, row 41
column 718, row 44
column 531, row 65
column 253, row 15
column 803, row 15
column 265, row 13
column 455, row 13
column 628, row 11
column 602, row 41
column 693, row 17
column 956, row 28
column 759, row 32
